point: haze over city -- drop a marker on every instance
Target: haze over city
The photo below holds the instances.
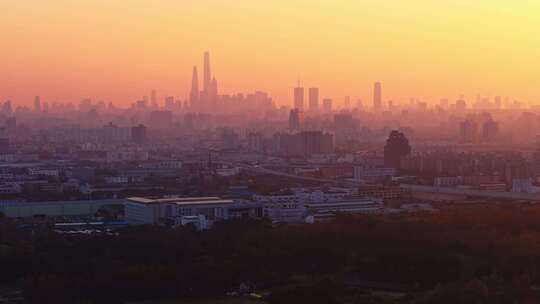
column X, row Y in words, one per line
column 117, row 50
column 269, row 152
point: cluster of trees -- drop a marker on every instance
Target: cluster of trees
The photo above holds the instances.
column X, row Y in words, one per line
column 472, row 255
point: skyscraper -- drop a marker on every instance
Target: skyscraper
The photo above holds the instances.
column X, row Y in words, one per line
column 37, row 104
column 498, row 102
column 153, row 99
column 207, row 74
column 296, row 119
column 490, row 130
column 194, row 94
column 468, row 131
column 377, row 96
column 327, row 105
column 6, row 107
column 347, row 102
column 299, row 97
column 138, row 134
column 213, row 88
column 314, row 99
column 461, row 105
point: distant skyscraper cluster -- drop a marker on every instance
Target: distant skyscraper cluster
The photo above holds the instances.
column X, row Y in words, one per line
column 206, row 99
column 314, row 106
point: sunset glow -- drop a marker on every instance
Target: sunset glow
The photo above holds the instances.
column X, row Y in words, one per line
column 66, row 50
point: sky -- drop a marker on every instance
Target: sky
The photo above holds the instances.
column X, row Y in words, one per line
column 66, row 50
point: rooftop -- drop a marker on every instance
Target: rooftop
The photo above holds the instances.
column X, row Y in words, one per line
column 181, row 200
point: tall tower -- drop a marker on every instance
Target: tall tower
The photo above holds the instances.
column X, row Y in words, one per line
column 296, row 119
column 214, row 87
column 314, row 99
column 194, row 94
column 153, row 98
column 377, row 96
column 327, row 105
column 207, row 74
column 37, row 104
column 299, row 97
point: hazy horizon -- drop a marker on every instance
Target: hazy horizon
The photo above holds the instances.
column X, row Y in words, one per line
column 67, row 50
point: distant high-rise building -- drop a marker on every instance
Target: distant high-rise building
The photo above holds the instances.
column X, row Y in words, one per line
column 4, row 140
column 313, row 99
column 37, row 104
column 347, row 103
column 299, row 97
column 397, row 146
column 443, row 103
column 359, row 104
column 304, row 143
column 327, row 105
column 461, row 105
column 214, row 88
column 194, row 94
column 153, row 98
column 255, row 142
column 207, row 73
column 11, row 125
column 161, row 119
column 7, row 108
column 296, row 119
column 468, row 131
column 343, row 121
column 169, row 102
column 377, row 96
column 490, row 130
column 498, row 102
column 138, row 134
column 316, row 142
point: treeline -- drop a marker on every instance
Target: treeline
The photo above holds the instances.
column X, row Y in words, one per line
column 472, row 255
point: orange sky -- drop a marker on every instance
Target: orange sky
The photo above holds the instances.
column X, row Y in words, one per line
column 65, row 50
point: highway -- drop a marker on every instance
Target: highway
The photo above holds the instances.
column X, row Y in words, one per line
column 473, row 193
column 262, row 170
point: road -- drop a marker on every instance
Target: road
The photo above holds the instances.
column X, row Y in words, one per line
column 263, row 170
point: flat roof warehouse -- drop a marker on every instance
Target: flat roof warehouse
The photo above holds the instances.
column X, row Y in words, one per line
column 182, row 200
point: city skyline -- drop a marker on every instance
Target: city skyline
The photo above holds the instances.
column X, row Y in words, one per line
column 419, row 49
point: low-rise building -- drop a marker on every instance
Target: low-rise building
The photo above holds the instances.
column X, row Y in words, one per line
column 140, row 210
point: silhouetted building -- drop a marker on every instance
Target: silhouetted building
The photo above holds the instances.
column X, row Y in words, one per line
column 4, row 140
column 490, row 130
column 37, row 104
column 7, row 108
column 194, row 94
column 138, row 134
column 11, row 125
column 153, row 99
column 327, row 105
column 468, row 131
column 299, row 98
column 316, row 142
column 343, row 121
column 347, row 103
column 314, row 99
column 397, row 147
column 296, row 119
column 161, row 119
column 255, row 142
column 377, row 96
column 207, row 80
column 305, row 143
column 461, row 105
